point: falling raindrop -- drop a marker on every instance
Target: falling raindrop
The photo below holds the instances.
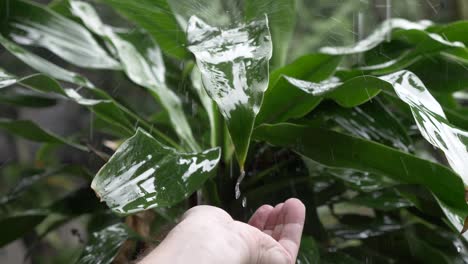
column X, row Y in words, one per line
column 360, row 35
column 239, row 181
column 244, row 201
column 388, row 16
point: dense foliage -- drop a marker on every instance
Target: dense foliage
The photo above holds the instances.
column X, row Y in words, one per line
column 371, row 137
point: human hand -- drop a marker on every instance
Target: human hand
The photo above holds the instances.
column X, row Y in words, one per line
column 209, row 235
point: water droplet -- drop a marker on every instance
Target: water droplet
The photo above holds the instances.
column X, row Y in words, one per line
column 244, row 202
column 239, row 181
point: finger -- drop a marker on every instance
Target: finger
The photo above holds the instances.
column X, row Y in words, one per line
column 260, row 216
column 293, row 223
column 272, row 219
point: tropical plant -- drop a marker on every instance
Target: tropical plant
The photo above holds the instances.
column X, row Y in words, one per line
column 358, row 133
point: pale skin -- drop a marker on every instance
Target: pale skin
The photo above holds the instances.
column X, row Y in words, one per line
column 209, row 235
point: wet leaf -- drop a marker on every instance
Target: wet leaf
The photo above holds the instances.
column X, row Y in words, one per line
column 29, row 130
column 143, row 174
column 366, row 227
column 143, row 63
column 339, row 150
column 164, row 29
column 104, row 245
column 441, row 74
column 43, row 65
column 356, row 179
column 385, row 200
column 372, row 121
column 208, row 104
column 281, row 20
column 234, row 67
column 107, row 109
column 353, row 92
column 426, row 252
column 399, row 29
column 25, row 100
column 28, row 23
column 431, row 120
column 14, row 226
column 282, row 101
column 25, row 183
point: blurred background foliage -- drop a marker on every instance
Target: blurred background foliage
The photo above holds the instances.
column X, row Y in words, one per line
column 319, row 23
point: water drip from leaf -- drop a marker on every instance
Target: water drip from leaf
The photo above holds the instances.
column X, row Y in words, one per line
column 244, row 201
column 238, row 183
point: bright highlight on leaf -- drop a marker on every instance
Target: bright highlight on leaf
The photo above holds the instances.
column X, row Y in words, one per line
column 234, row 67
column 143, row 174
column 31, row 24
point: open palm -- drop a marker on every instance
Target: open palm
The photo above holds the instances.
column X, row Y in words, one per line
column 281, row 228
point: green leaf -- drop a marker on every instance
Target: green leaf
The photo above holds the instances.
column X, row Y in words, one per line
column 43, row 65
column 208, row 104
column 25, row 183
column 431, row 120
column 143, row 63
column 385, row 200
column 143, row 174
column 356, row 179
column 372, row 121
column 104, row 245
column 339, row 150
column 282, row 101
column 234, row 67
column 427, row 112
column 29, row 130
column 32, row 24
column 107, row 109
column 441, row 74
column 281, row 20
column 26, row 100
column 398, row 29
column 351, row 93
column 156, row 17
column 17, row 225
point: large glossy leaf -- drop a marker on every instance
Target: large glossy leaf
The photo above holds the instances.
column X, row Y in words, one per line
column 14, row 226
column 431, row 120
column 31, row 131
column 234, row 67
column 157, row 18
column 385, row 200
column 43, row 65
column 427, row 112
column 102, row 103
column 356, row 179
column 142, row 61
column 104, row 245
column 25, row 100
column 372, row 121
column 282, row 101
column 399, row 29
column 208, row 104
column 32, row 24
column 339, row 150
column 441, row 74
column 281, row 19
column 143, row 174
column 104, row 108
column 351, row 93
